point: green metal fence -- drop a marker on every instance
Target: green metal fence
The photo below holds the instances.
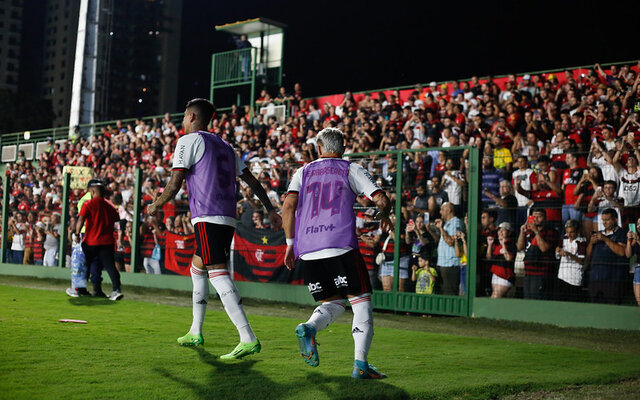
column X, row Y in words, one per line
column 395, row 299
column 399, row 299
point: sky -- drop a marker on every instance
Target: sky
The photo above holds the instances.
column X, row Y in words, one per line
column 335, row 46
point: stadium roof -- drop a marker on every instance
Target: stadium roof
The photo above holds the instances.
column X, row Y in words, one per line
column 251, row 26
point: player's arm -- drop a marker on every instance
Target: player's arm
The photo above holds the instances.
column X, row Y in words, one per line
column 169, row 192
column 258, row 190
column 384, row 205
column 289, row 208
column 289, row 224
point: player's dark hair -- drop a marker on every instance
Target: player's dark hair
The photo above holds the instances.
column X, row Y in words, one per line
column 203, row 108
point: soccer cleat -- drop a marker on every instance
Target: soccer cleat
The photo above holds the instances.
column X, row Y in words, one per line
column 242, row 350
column 116, row 295
column 98, row 293
column 308, row 346
column 191, row 340
column 363, row 370
column 72, row 292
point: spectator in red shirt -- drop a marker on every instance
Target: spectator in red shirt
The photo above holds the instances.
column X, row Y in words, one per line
column 99, row 216
column 539, row 242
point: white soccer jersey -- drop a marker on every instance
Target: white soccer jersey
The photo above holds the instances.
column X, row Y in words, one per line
column 569, row 270
column 630, row 188
column 454, row 191
column 189, row 150
column 524, row 177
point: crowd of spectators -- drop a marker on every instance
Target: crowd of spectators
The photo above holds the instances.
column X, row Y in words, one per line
column 559, row 190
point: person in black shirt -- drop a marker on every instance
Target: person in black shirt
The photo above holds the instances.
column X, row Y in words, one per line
column 608, row 270
column 507, row 203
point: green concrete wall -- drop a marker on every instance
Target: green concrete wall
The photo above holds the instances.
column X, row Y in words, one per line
column 565, row 314
column 560, row 313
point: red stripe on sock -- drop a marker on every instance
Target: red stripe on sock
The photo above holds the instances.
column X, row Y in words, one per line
column 217, row 273
column 359, row 300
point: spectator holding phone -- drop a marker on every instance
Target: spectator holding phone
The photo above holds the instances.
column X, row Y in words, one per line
column 448, row 262
column 501, row 253
column 572, row 259
column 633, row 248
column 607, row 271
column 538, row 241
column 51, row 241
column 17, row 230
column 522, row 176
column 629, row 183
column 603, row 199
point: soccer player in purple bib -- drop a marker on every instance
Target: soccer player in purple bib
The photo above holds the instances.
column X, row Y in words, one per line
column 210, row 166
column 319, row 223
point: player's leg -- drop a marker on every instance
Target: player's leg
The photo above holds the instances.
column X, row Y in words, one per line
column 200, row 295
column 318, row 277
column 326, row 313
column 359, row 289
column 214, row 243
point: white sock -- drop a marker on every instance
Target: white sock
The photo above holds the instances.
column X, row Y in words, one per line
column 325, row 314
column 232, row 303
column 362, row 327
column 200, row 296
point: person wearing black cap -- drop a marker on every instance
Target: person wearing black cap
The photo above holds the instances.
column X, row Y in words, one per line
column 98, row 217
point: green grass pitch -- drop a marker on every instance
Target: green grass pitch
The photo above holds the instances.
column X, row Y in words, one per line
column 128, row 351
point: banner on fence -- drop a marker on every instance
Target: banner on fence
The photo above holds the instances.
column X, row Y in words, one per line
column 178, row 252
column 259, row 256
column 80, row 176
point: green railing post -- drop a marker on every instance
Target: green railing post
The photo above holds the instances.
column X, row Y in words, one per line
column 472, row 230
column 213, row 82
column 5, row 217
column 64, row 220
column 252, row 94
column 135, row 241
column 396, row 226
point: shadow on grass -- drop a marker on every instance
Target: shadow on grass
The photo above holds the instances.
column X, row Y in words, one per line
column 240, row 380
column 90, row 301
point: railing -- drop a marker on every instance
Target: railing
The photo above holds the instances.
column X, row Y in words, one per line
column 233, row 67
column 62, row 133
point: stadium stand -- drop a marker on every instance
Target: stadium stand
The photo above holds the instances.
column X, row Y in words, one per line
column 564, row 143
